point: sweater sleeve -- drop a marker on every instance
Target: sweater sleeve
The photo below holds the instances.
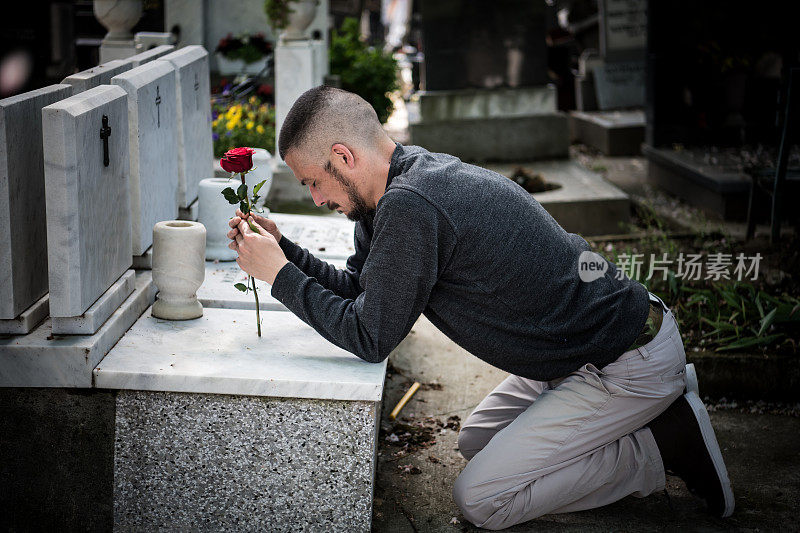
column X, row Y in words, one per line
column 343, row 282
column 410, row 240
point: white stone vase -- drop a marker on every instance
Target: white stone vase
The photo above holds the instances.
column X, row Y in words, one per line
column 179, row 268
column 214, row 212
column 118, row 17
column 301, row 15
column 262, row 170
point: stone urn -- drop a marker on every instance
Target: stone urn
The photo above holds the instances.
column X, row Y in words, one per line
column 179, row 268
column 301, row 15
column 118, row 17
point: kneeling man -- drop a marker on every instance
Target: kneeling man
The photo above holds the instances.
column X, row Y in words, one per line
column 595, row 408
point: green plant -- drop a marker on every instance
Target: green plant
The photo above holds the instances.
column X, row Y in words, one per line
column 741, row 316
column 278, row 13
column 247, row 123
column 247, row 48
column 369, row 72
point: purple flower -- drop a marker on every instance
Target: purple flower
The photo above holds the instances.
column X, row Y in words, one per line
column 228, row 133
column 215, row 136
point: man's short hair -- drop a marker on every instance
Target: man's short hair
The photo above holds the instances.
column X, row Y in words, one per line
column 324, row 116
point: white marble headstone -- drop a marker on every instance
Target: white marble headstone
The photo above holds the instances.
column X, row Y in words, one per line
column 195, row 146
column 150, row 55
column 99, row 75
column 88, row 211
column 153, row 134
column 23, row 235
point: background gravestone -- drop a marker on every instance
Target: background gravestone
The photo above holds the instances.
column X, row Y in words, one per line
column 195, row 146
column 99, row 75
column 23, row 235
column 150, row 55
column 88, row 227
column 483, row 44
column 153, row 136
column 619, row 82
column 485, row 76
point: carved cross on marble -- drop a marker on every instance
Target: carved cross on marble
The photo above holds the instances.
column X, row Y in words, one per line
column 196, row 96
column 105, row 133
column 158, row 105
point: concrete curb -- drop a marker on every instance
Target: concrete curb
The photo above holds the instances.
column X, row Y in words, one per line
column 747, row 376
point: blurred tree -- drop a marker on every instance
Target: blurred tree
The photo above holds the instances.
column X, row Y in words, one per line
column 367, row 71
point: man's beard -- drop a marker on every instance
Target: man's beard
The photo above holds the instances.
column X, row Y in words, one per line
column 360, row 208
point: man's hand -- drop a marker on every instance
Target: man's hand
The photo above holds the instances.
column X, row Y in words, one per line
column 265, row 223
column 259, row 253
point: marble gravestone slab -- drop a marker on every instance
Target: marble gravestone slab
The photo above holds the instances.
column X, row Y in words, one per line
column 86, row 183
column 220, row 353
column 23, row 238
column 45, row 359
column 218, row 290
column 99, row 75
column 584, row 203
column 326, row 237
column 195, row 146
column 152, row 133
column 150, row 55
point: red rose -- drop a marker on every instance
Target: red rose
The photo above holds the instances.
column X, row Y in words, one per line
column 237, row 160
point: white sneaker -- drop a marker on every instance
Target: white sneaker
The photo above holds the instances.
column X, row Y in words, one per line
column 691, row 380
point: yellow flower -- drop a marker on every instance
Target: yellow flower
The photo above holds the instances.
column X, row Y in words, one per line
column 215, row 122
column 250, row 124
column 260, row 128
column 251, row 115
column 232, row 123
column 253, row 100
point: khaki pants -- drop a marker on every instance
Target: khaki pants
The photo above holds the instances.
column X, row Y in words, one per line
column 571, row 444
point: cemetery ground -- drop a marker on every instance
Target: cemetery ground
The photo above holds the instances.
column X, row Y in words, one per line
column 418, row 459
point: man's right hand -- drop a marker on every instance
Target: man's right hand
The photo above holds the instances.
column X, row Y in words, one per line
column 264, row 222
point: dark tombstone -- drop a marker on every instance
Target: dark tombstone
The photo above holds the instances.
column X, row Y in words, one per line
column 713, row 80
column 612, row 121
column 483, row 44
column 485, row 81
column 619, row 82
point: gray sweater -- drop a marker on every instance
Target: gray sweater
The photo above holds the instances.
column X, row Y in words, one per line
column 481, row 259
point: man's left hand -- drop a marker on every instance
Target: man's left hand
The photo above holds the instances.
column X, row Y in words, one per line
column 259, row 253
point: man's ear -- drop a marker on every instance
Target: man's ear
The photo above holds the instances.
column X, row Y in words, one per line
column 342, row 154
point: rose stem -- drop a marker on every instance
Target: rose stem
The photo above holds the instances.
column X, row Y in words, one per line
column 258, row 315
column 252, row 279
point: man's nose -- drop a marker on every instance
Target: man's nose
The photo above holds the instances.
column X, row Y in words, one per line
column 316, row 196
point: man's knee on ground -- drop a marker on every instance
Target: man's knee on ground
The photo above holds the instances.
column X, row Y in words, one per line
column 480, row 511
column 471, row 440
column 462, row 497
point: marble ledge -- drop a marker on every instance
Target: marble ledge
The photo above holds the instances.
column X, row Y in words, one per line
column 28, row 319
column 220, row 353
column 41, row 359
column 93, row 318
